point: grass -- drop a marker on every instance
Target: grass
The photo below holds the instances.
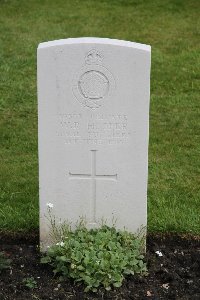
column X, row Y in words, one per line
column 172, row 28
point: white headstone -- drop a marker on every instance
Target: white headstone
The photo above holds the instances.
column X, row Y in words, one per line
column 93, row 131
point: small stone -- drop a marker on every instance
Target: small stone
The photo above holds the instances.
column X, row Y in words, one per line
column 165, row 286
column 149, row 294
column 190, row 281
column 159, row 253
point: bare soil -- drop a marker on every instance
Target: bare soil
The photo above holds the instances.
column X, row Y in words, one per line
column 174, row 275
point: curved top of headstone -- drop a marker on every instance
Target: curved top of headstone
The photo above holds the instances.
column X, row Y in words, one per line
column 94, row 40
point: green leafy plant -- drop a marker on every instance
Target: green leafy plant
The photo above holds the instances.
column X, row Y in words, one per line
column 30, row 283
column 4, row 262
column 97, row 257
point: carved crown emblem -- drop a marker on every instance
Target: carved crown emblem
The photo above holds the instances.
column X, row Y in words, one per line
column 93, row 57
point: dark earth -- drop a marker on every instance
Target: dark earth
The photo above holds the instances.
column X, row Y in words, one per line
column 175, row 275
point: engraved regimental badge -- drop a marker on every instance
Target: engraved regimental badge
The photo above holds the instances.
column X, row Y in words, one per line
column 93, row 83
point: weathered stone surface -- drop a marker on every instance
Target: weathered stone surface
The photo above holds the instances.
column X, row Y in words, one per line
column 93, row 98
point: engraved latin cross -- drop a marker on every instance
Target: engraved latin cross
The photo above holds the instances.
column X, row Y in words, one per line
column 93, row 177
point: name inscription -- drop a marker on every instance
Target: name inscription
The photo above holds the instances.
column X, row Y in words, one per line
column 97, row 129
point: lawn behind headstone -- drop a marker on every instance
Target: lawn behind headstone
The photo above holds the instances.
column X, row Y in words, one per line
column 171, row 28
